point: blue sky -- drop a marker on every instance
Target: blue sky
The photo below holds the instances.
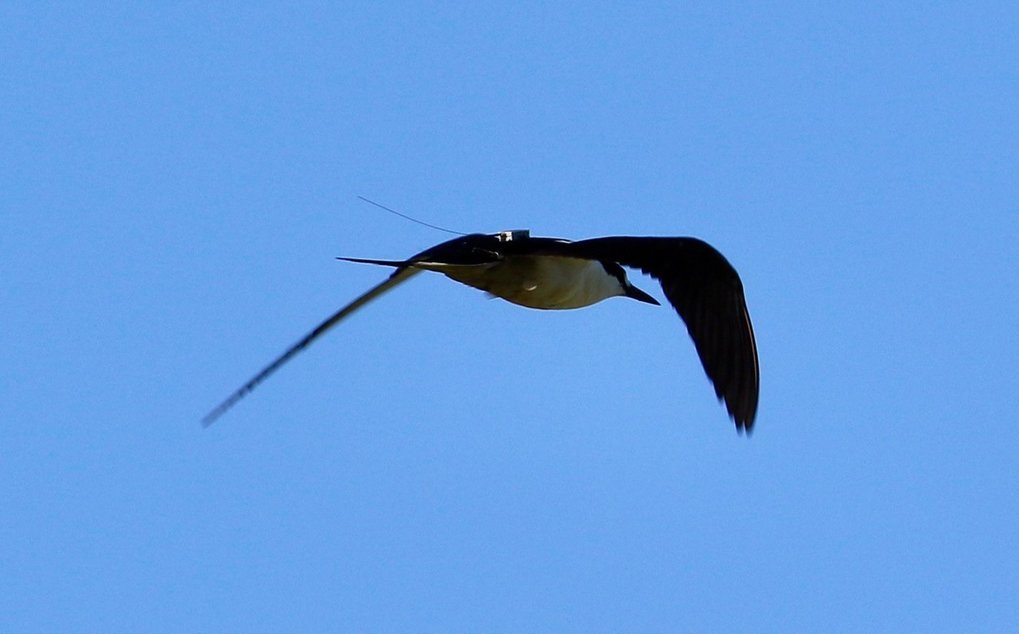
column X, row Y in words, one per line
column 177, row 181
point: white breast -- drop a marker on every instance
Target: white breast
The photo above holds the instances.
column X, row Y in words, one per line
column 548, row 282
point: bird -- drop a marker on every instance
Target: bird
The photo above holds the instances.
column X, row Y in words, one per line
column 558, row 274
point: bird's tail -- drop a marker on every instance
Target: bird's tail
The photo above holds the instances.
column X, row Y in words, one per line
column 395, row 263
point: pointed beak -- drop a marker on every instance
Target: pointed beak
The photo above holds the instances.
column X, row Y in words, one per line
column 640, row 296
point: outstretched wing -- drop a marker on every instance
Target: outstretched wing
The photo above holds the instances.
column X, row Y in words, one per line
column 469, row 249
column 707, row 293
column 398, row 276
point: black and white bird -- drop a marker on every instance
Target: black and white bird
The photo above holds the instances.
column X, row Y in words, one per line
column 556, row 274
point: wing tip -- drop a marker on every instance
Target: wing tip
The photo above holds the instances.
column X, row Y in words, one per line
column 742, row 409
column 744, row 425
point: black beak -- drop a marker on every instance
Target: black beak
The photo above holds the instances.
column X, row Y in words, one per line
column 640, row 296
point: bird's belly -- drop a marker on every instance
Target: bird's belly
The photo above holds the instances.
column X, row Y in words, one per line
column 549, row 283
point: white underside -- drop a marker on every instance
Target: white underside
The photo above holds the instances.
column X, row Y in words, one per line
column 547, row 282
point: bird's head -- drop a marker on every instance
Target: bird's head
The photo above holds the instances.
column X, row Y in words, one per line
column 633, row 292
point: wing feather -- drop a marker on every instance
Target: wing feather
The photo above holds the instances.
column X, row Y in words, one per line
column 399, row 276
column 707, row 293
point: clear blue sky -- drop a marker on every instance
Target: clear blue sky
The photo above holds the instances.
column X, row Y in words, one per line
column 176, row 182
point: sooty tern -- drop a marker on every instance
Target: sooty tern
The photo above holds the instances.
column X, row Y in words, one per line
column 550, row 273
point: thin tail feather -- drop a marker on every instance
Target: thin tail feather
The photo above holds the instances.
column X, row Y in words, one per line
column 396, row 263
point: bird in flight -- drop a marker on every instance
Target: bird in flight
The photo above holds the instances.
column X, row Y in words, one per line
column 556, row 274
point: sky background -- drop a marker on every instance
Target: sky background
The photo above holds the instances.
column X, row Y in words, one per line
column 176, row 181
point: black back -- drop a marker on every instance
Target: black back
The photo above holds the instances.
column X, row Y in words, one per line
column 480, row 248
